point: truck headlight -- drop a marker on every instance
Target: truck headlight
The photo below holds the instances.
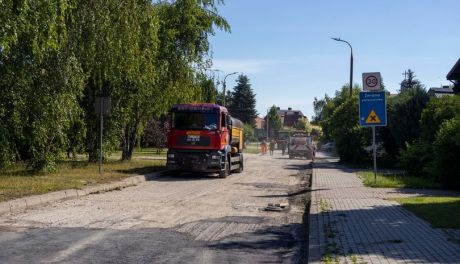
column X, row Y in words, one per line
column 171, row 156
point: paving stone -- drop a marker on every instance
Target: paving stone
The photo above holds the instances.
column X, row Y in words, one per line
column 361, row 222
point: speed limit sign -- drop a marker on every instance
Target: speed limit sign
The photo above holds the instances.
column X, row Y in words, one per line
column 371, row 81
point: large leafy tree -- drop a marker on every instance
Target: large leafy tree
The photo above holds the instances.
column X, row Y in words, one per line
column 318, row 106
column 56, row 57
column 41, row 82
column 243, row 104
column 340, row 123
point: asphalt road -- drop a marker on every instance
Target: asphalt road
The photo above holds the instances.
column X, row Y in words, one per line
column 190, row 218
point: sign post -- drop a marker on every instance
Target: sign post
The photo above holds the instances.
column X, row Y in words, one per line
column 372, row 108
column 102, row 106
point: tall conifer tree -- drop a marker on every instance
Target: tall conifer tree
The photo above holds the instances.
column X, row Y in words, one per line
column 243, row 104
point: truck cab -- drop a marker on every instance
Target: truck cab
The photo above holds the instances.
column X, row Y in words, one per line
column 204, row 138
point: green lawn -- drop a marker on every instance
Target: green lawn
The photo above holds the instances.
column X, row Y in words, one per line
column 17, row 181
column 253, row 148
column 443, row 212
column 397, row 181
column 152, row 152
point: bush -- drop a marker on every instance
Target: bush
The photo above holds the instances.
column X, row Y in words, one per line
column 349, row 136
column 404, row 112
column 446, row 150
column 415, row 157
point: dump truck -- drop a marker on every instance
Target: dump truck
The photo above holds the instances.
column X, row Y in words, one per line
column 301, row 145
column 204, row 137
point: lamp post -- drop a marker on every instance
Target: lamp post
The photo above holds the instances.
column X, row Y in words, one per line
column 223, row 96
column 267, row 123
column 351, row 63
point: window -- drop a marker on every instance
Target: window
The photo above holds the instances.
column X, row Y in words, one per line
column 195, row 121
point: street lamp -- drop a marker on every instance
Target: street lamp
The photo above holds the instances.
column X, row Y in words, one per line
column 267, row 123
column 223, row 97
column 351, row 63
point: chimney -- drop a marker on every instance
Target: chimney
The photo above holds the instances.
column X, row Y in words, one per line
column 289, row 108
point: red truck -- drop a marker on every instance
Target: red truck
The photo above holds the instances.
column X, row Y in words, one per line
column 204, row 138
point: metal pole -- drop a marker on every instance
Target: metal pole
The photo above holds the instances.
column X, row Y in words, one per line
column 225, row 85
column 351, row 72
column 267, row 124
column 375, row 154
column 351, row 62
column 100, row 135
column 223, row 96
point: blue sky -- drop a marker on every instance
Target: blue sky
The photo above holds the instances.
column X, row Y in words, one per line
column 284, row 47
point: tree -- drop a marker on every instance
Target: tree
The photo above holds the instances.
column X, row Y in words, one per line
column 404, row 112
column 409, row 81
column 274, row 121
column 208, row 89
column 41, row 82
column 303, row 124
column 418, row 157
column 248, row 132
column 155, row 134
column 318, row 106
column 327, row 110
column 446, row 150
column 243, row 104
column 56, row 57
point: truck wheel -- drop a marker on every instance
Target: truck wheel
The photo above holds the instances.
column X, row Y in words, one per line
column 241, row 167
column 224, row 173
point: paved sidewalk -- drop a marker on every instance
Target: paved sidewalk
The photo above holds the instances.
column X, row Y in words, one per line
column 350, row 223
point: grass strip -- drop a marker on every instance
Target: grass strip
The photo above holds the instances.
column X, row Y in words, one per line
column 397, row 181
column 17, row 181
column 440, row 212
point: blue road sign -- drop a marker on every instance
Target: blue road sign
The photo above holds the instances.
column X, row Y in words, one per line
column 372, row 109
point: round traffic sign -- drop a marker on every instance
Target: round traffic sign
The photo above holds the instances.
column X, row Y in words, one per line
column 372, row 81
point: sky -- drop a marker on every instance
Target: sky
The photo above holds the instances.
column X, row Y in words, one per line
column 285, row 47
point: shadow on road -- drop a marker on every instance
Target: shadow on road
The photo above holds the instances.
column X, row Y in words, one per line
column 183, row 176
column 297, row 167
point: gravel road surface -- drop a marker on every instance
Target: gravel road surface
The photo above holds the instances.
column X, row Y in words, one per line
column 187, row 218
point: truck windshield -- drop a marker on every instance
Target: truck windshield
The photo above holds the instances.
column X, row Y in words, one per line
column 195, row 121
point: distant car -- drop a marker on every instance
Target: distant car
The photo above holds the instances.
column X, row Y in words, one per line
column 328, row 146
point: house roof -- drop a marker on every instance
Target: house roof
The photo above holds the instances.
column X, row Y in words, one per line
column 441, row 90
column 282, row 112
column 454, row 73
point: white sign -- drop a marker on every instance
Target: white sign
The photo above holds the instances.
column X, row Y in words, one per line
column 371, row 81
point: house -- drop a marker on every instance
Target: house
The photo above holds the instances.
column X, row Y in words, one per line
column 289, row 117
column 442, row 91
column 259, row 124
column 454, row 77
column 259, row 128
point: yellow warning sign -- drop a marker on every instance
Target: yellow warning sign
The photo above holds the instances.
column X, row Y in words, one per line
column 373, row 118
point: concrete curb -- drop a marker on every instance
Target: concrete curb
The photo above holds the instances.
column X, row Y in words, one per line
column 22, row 204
